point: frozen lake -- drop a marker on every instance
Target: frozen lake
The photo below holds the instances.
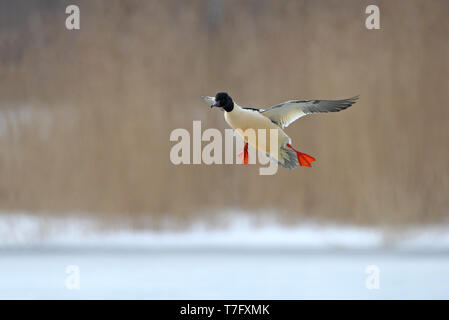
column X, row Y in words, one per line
column 72, row 260
column 208, row 273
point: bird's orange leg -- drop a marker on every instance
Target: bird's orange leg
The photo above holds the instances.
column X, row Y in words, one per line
column 304, row 159
column 244, row 155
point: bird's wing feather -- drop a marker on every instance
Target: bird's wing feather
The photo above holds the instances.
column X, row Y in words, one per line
column 252, row 109
column 285, row 113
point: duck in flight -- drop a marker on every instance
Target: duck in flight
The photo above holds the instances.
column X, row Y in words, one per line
column 276, row 117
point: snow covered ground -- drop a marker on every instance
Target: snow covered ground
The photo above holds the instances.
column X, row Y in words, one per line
column 76, row 259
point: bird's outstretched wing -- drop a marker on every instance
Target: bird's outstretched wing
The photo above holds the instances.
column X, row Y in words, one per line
column 285, row 113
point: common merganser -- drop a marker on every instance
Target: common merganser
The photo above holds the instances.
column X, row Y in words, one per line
column 276, row 117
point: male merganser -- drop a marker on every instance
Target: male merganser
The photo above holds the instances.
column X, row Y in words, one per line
column 276, row 117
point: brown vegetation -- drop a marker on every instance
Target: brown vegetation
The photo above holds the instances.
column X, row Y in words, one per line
column 86, row 115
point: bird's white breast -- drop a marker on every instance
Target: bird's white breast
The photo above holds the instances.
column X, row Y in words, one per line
column 242, row 119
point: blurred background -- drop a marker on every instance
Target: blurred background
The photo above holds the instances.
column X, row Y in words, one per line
column 85, row 119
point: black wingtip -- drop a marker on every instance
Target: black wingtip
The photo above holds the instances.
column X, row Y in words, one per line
column 351, row 101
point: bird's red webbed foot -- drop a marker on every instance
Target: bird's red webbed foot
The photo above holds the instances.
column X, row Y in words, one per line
column 303, row 159
column 244, row 155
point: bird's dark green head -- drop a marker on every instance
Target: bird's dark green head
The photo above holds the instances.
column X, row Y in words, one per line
column 224, row 101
